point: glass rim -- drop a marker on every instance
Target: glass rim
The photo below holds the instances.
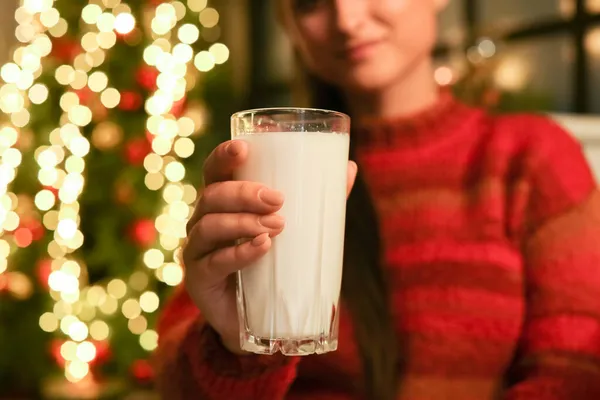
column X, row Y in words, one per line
column 291, row 110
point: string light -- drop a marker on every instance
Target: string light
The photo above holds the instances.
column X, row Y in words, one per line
column 79, row 309
column 35, row 18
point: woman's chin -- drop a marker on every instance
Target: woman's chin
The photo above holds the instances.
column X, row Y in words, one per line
column 365, row 79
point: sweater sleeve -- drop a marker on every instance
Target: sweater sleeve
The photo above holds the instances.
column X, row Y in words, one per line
column 191, row 362
column 559, row 357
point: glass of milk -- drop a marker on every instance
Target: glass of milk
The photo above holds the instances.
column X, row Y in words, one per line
column 288, row 300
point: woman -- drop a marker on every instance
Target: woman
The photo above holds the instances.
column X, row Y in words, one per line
column 472, row 268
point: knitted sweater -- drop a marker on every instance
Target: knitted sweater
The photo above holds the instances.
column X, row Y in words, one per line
column 491, row 237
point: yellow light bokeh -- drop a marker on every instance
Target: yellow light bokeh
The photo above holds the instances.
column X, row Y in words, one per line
column 98, row 81
column 151, row 54
column 20, row 118
column 209, row 17
column 175, row 171
column 12, row 157
column 106, row 40
column 197, row 5
column 86, row 351
column 184, row 147
column 10, row 72
column 154, row 181
column 204, row 61
column 124, row 23
column 79, row 80
column 109, row 306
column 220, row 53
column 105, row 22
column 116, row 288
column 96, row 295
column 131, row 308
column 149, row 302
column 78, row 331
column 161, row 145
column 38, row 93
column 44, row 200
column 48, row 322
column 66, row 228
column 188, row 34
column 80, row 115
column 137, row 325
column 59, row 29
column 110, row 98
column 183, row 53
column 154, row 258
column 68, row 101
column 149, row 340
column 90, row 13
column 50, row 220
column 76, row 370
column 50, row 17
column 99, row 330
column 172, row 274
column 153, row 163
column 139, row 281
column 68, row 350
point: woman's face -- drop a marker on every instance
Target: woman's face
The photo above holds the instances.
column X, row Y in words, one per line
column 362, row 45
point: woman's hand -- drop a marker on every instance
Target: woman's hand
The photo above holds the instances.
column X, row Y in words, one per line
column 226, row 212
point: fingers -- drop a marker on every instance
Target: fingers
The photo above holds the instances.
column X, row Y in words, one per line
column 215, row 229
column 217, row 266
column 352, row 169
column 236, row 197
column 222, row 161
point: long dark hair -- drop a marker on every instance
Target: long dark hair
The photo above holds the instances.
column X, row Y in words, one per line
column 364, row 290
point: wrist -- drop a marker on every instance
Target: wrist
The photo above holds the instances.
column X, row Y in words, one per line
column 232, row 345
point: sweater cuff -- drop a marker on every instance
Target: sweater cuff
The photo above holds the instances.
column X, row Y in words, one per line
column 204, row 344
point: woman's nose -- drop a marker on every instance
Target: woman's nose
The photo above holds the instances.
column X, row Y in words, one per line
column 350, row 14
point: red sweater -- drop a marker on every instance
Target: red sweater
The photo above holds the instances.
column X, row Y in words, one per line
column 491, row 231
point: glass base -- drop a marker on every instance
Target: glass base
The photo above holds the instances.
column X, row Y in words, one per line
column 289, row 347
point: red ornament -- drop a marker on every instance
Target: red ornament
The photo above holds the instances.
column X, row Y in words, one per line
column 23, row 237
column 155, row 3
column 179, row 107
column 52, row 189
column 143, row 232
column 136, row 150
column 85, row 95
column 142, row 371
column 3, row 283
column 43, row 270
column 55, row 346
column 130, row 101
column 35, row 227
column 146, row 77
column 65, row 49
column 103, row 352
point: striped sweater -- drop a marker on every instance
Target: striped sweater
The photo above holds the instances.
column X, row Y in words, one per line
column 491, row 237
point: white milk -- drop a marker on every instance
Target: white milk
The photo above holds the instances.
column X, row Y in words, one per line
column 292, row 292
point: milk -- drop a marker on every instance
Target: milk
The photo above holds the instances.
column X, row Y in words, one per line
column 293, row 291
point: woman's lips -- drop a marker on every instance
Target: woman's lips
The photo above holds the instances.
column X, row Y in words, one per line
column 359, row 51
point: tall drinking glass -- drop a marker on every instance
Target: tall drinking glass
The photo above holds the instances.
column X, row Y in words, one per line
column 288, row 300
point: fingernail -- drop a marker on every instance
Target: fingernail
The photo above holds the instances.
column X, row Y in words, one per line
column 272, row 221
column 271, row 197
column 260, row 240
column 232, row 149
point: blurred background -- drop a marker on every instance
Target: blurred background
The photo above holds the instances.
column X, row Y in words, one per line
column 108, row 109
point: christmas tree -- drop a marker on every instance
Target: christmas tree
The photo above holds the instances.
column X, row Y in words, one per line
column 105, row 108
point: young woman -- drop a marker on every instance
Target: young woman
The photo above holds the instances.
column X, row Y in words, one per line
column 472, row 259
